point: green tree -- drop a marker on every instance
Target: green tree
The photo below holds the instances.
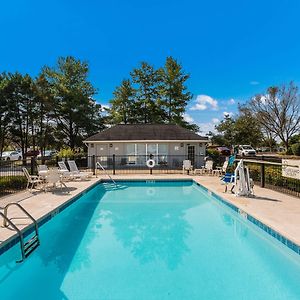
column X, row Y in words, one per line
column 243, row 129
column 247, row 129
column 295, row 139
column 21, row 105
column 4, row 111
column 44, row 112
column 227, row 129
column 123, row 104
column 147, row 105
column 76, row 112
column 175, row 96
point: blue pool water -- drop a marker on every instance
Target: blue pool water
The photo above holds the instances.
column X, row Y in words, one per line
column 162, row 240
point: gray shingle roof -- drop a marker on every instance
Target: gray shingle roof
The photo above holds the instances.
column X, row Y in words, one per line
column 141, row 132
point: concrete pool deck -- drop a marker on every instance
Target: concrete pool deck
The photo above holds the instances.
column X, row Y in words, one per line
column 278, row 211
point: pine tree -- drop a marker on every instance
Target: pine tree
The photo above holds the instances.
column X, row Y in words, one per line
column 76, row 113
column 175, row 96
column 123, row 104
column 147, row 106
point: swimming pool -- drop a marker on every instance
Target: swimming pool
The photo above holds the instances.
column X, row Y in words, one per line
column 151, row 240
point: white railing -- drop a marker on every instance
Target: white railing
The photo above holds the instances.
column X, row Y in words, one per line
column 105, row 172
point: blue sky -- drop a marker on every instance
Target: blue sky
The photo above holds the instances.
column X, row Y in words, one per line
column 232, row 49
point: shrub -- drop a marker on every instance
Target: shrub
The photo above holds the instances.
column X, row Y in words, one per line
column 66, row 152
column 13, row 183
column 296, row 149
column 69, row 153
column 289, row 151
column 214, row 155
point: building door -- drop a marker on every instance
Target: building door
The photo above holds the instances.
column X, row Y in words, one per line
column 191, row 154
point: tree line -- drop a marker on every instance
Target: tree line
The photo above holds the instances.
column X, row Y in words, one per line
column 57, row 109
column 263, row 120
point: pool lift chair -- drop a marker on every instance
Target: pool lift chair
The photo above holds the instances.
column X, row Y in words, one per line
column 243, row 184
column 26, row 247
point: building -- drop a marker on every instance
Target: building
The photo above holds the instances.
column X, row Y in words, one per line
column 133, row 144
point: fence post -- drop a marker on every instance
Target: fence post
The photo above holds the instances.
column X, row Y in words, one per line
column 56, row 158
column 32, row 165
column 94, row 164
column 262, row 174
column 114, row 164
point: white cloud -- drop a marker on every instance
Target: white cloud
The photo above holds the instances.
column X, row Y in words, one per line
column 188, row 118
column 254, row 82
column 104, row 108
column 226, row 113
column 206, row 128
column 204, row 102
column 231, row 101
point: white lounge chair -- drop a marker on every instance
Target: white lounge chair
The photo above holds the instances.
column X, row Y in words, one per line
column 64, row 170
column 42, row 170
column 31, row 179
column 75, row 172
column 187, row 166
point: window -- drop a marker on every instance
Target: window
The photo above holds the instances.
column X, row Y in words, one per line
column 130, row 149
column 92, row 145
column 151, row 149
column 162, row 154
column 131, row 152
column 139, row 153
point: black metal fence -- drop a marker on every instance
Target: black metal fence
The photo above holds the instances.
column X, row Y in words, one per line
column 12, row 178
column 126, row 164
column 264, row 173
column 269, row 174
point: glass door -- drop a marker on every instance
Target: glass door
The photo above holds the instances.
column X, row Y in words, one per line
column 191, row 154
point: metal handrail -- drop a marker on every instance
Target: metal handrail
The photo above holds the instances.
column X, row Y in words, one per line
column 98, row 164
column 25, row 212
column 7, row 221
column 18, row 231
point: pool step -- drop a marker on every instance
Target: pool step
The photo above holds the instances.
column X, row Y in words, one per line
column 31, row 245
column 28, row 247
column 109, row 185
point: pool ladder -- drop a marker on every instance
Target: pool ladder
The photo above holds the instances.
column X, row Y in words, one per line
column 105, row 172
column 26, row 247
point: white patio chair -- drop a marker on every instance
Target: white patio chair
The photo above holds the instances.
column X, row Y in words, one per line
column 220, row 170
column 53, row 178
column 186, row 166
column 31, row 179
column 75, row 172
column 205, row 169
